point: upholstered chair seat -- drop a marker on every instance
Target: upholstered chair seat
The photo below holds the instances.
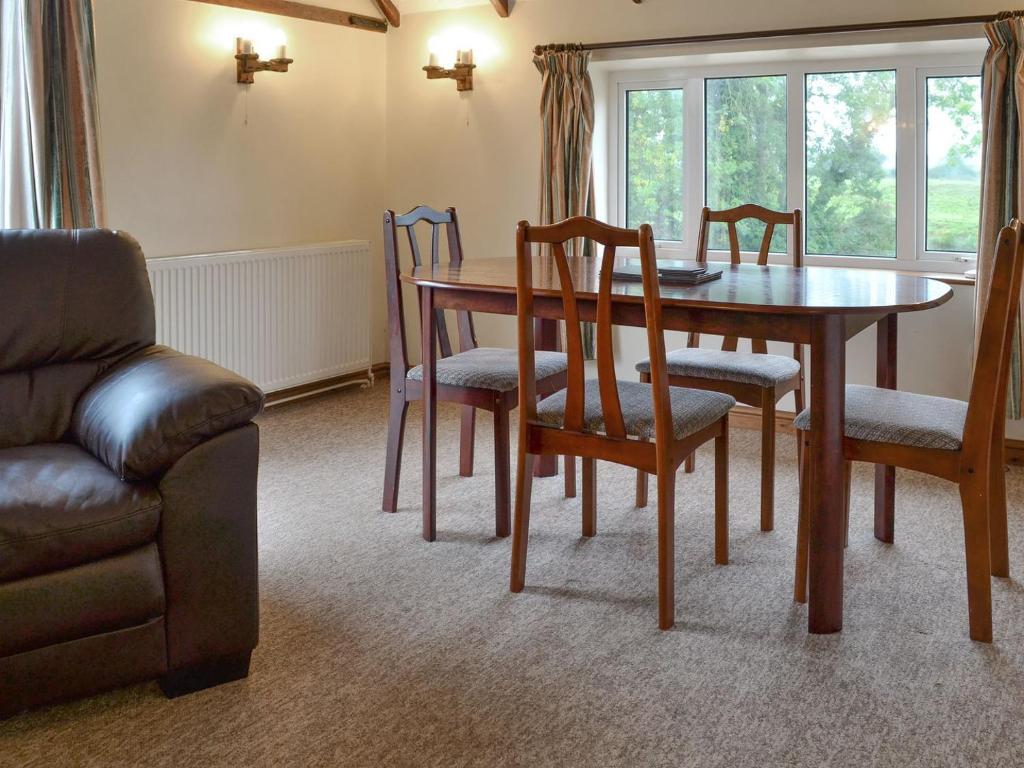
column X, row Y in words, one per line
column 742, row 367
column 489, row 368
column 692, row 409
column 900, row 418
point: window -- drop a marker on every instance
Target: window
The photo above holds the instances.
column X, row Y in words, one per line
column 851, row 163
column 953, row 194
column 745, row 153
column 654, row 157
column 882, row 154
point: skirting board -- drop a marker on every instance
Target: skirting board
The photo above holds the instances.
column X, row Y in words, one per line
column 747, row 417
column 324, row 385
column 1015, row 453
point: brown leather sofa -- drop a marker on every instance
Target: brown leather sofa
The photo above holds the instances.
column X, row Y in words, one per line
column 127, row 484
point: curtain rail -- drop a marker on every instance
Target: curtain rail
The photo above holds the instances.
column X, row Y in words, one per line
column 837, row 29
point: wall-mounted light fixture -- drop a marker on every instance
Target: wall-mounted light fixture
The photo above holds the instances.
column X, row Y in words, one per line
column 461, row 71
column 249, row 61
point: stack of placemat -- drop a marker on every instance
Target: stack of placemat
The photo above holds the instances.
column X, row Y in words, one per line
column 671, row 272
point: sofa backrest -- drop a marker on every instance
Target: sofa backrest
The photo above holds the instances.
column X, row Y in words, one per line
column 72, row 304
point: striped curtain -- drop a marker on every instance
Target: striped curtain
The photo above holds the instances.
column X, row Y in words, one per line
column 567, row 119
column 49, row 155
column 1002, row 176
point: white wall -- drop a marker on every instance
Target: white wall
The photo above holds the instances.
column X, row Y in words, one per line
column 193, row 162
column 481, row 151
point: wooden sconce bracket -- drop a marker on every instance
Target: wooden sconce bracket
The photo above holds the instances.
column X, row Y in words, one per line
column 249, row 64
column 462, row 74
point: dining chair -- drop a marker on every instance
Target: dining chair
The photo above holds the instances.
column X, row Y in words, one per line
column 474, row 377
column 754, row 378
column 951, row 439
column 605, row 418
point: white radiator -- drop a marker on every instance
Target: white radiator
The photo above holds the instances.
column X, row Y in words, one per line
column 281, row 317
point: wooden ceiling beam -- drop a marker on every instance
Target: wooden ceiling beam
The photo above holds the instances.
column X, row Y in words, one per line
column 308, row 12
column 503, row 7
column 390, row 11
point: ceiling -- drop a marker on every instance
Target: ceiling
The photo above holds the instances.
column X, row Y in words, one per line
column 419, row 6
column 405, row 6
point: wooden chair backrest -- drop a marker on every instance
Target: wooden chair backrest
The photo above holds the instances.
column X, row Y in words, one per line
column 986, row 409
column 732, row 217
column 393, row 267
column 556, row 236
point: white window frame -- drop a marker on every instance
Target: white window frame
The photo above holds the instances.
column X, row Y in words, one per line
column 911, row 70
column 923, row 253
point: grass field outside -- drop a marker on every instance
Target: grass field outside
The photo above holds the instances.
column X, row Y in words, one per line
column 953, row 211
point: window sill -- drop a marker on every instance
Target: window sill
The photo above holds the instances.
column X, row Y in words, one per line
column 949, row 278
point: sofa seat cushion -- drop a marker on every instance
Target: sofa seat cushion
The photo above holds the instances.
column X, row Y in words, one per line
column 126, row 590
column 60, row 507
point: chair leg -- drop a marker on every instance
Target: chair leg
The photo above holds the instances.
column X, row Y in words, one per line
column 722, row 495
column 847, row 483
column 979, row 564
column 998, row 537
column 803, row 525
column 502, row 473
column 641, row 489
column 767, row 459
column 589, row 497
column 466, row 441
column 642, row 481
column 798, row 399
column 885, row 500
column 666, row 479
column 521, row 529
column 396, row 437
column 570, row 477
column 690, row 464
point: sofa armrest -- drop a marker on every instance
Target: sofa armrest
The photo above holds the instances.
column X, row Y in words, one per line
column 208, row 547
column 153, row 408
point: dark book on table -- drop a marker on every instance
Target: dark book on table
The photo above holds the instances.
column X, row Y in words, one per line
column 670, row 272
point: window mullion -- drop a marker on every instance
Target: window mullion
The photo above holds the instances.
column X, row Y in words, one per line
column 907, row 213
column 617, row 179
column 693, row 163
column 795, row 145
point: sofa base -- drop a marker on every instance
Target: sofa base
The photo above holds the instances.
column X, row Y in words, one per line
column 207, row 675
column 82, row 667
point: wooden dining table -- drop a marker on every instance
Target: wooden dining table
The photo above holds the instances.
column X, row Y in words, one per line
column 821, row 307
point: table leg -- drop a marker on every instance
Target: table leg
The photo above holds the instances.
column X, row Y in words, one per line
column 429, row 347
column 828, row 374
column 885, row 477
column 545, row 334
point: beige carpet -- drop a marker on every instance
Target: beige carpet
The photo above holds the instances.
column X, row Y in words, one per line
column 380, row 649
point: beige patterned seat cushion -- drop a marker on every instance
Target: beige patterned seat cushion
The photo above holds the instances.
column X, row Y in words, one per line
column 900, row 418
column 742, row 367
column 692, row 409
column 490, row 368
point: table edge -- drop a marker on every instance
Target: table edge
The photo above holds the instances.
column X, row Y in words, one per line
column 677, row 303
